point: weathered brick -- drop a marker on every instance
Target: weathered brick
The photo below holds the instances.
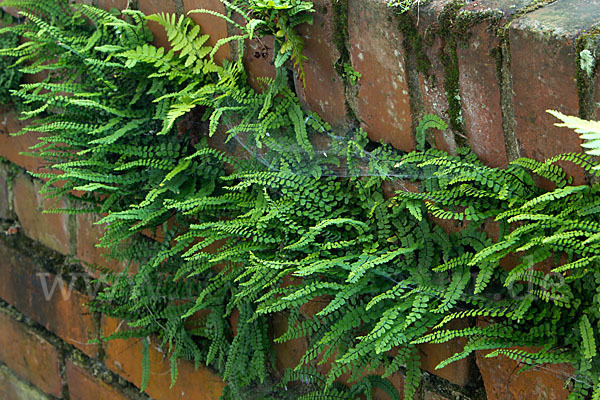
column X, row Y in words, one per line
column 84, row 386
column 158, row 233
column 435, row 99
column 108, row 4
column 13, row 388
column 124, row 358
column 12, row 146
column 478, row 54
column 324, row 90
column 157, row 6
column 30, row 356
column 258, row 61
column 377, row 53
column 502, row 381
column 290, row 352
column 391, row 187
column 17, row 148
column 480, row 95
column 212, row 25
column 436, row 70
column 544, row 68
column 45, row 298
column 432, row 354
column 12, row 11
column 49, row 229
column 397, row 379
column 88, row 235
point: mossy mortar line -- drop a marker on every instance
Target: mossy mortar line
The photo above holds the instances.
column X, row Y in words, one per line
column 341, row 40
column 449, row 58
column 503, row 30
column 179, row 9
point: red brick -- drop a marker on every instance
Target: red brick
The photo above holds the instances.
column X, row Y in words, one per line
column 124, row 358
column 290, row 352
column 210, row 24
column 85, row 386
column 288, row 355
column 108, row 4
column 88, row 235
column 313, row 306
column 30, row 356
column 13, row 388
column 324, row 89
column 11, row 146
column 432, row 354
column 12, row 11
column 58, row 311
column 544, row 68
column 502, row 382
column 477, row 53
column 377, row 53
column 49, row 229
column 480, row 95
column 434, row 95
column 432, row 81
column 149, row 7
column 157, row 233
column 391, row 187
column 396, row 379
column 258, row 59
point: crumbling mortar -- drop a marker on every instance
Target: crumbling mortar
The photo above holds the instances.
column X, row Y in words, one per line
column 10, row 172
column 50, row 261
column 474, row 391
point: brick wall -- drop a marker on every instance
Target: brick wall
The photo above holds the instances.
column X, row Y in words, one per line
column 490, row 68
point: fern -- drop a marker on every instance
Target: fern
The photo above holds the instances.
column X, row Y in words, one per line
column 589, row 131
column 286, row 228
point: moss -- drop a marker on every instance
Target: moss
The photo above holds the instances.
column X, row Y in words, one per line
column 586, row 81
column 12, row 170
column 465, row 20
column 413, row 42
column 534, row 5
column 341, row 39
column 502, row 32
column 403, row 6
column 449, row 58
